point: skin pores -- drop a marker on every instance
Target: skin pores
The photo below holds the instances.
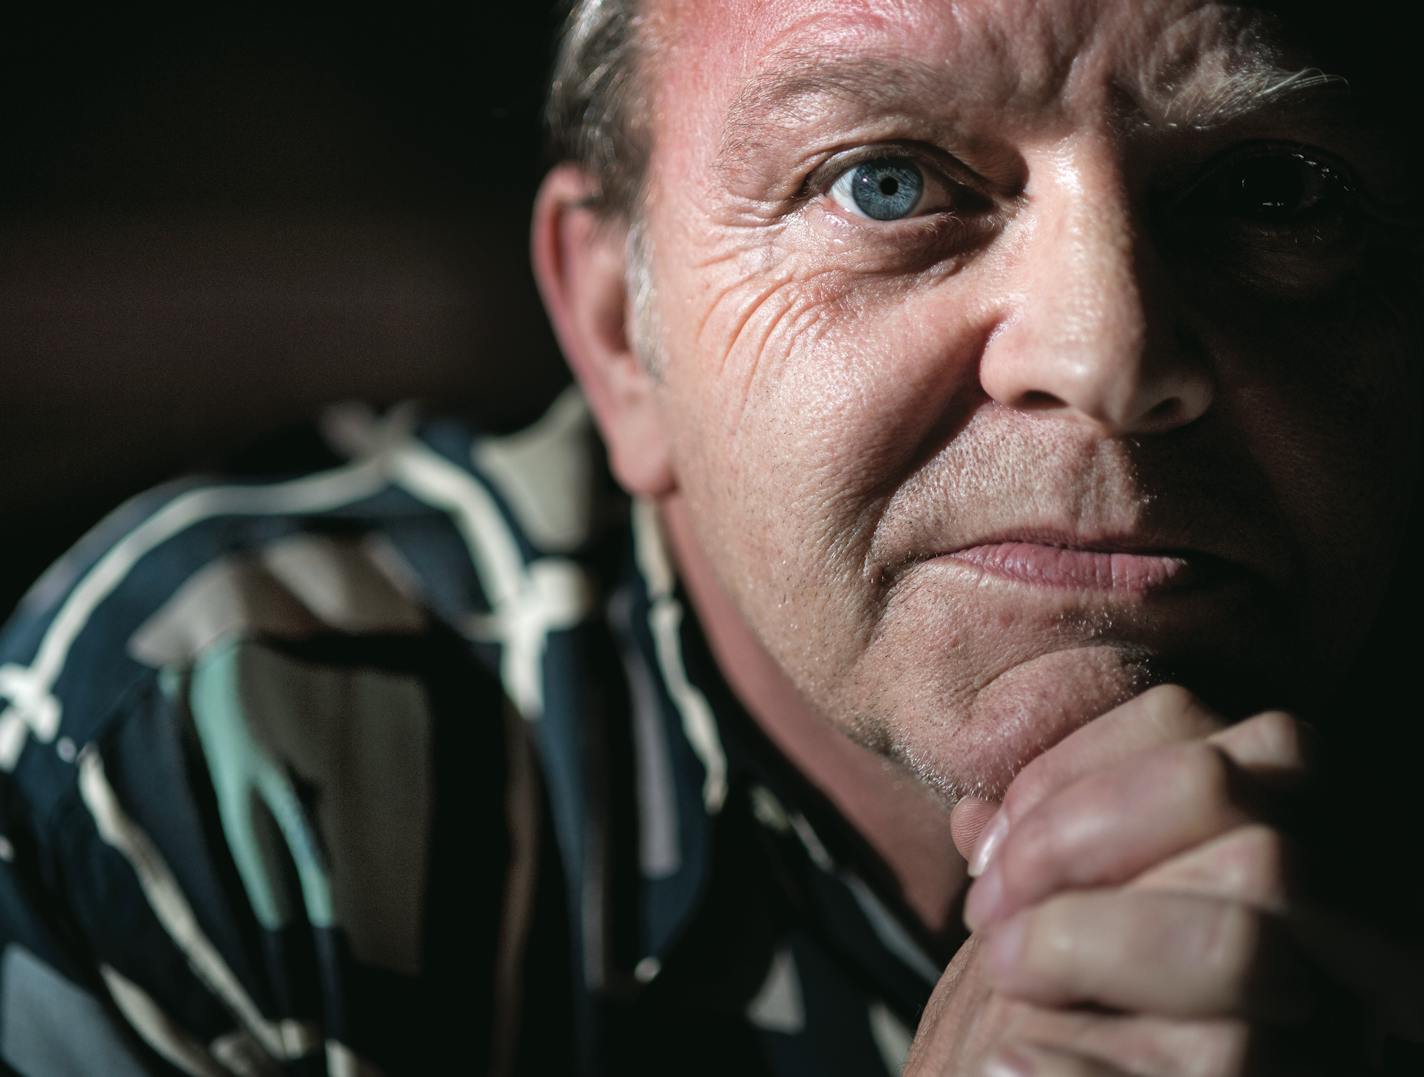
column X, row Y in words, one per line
column 1122, row 399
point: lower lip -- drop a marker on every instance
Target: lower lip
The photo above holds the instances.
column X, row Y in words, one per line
column 1083, row 570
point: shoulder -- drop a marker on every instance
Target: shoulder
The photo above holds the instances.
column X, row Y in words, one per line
column 293, row 695
column 368, row 526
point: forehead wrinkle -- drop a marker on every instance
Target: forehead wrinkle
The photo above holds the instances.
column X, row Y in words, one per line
column 1205, row 68
column 1010, row 67
column 796, row 84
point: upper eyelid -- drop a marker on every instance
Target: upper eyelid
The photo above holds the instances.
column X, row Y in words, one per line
column 822, row 178
column 1323, row 160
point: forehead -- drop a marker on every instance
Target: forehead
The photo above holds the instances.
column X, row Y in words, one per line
column 1172, row 60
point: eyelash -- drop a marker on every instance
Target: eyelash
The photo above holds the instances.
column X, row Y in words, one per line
column 1334, row 176
column 822, row 179
column 1226, row 211
column 922, row 239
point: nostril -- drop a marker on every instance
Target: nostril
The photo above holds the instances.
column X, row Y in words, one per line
column 1165, row 412
column 1038, row 400
column 1174, row 411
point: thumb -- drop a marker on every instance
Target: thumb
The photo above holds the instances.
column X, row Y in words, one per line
column 967, row 821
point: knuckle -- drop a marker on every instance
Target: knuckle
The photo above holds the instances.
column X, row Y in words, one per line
column 1206, row 775
column 1169, row 697
column 1222, row 1049
column 1172, row 707
column 1231, row 947
column 1257, row 864
column 1050, row 936
column 1281, row 736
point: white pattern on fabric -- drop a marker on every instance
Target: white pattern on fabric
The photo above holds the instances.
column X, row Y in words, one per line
column 159, row 1030
column 549, row 489
column 527, row 602
column 892, row 1036
column 293, row 588
column 33, row 709
column 777, row 1006
column 281, row 1039
column 665, row 621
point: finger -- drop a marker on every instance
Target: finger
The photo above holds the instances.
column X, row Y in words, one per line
column 1107, row 828
column 1167, row 714
column 1034, row 1060
column 1173, row 1049
column 967, row 822
column 1169, row 1047
column 1256, row 865
column 1261, row 867
column 1276, row 748
column 1174, row 955
column 1277, row 751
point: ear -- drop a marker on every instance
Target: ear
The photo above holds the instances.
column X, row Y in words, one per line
column 581, row 264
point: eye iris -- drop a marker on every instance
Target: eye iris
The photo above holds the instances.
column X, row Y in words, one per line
column 887, row 190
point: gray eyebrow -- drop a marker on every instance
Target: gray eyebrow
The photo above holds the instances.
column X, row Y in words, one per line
column 1257, row 89
column 786, row 95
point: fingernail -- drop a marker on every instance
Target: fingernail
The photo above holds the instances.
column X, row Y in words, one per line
column 983, row 900
column 1005, row 948
column 1010, row 1062
column 990, row 840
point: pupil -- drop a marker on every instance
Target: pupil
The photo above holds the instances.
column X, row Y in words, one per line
column 887, row 189
column 1273, row 187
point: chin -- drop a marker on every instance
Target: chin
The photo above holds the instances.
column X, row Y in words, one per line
column 965, row 712
column 976, row 748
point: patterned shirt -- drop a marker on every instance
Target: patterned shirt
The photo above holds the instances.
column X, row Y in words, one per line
column 407, row 755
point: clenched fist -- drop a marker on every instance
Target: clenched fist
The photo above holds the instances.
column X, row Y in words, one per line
column 1149, row 903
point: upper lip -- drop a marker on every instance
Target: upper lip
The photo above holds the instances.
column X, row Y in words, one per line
column 1096, row 543
column 1204, row 506
column 1220, row 546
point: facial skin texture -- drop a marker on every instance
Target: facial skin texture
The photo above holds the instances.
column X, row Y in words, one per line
column 1080, row 341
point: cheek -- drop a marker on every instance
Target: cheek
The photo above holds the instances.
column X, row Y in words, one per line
column 820, row 349
column 1330, row 406
column 799, row 399
column 814, row 390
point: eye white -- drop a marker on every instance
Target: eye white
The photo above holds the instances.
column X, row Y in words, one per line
column 884, row 189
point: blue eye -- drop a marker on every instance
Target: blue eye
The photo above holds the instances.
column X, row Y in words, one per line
column 885, row 189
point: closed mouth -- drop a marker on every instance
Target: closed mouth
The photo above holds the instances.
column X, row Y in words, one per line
column 1101, row 568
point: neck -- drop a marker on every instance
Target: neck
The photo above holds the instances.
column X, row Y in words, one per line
column 901, row 819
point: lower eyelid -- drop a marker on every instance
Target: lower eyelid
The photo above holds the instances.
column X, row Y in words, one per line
column 930, row 198
column 922, row 238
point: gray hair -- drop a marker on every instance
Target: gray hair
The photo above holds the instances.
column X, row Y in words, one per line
column 597, row 101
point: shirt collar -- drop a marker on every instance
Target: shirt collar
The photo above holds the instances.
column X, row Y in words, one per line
column 695, row 748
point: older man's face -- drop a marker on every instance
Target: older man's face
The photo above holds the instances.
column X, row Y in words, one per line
column 1018, row 353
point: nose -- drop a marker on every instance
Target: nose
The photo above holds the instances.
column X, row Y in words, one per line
column 1092, row 333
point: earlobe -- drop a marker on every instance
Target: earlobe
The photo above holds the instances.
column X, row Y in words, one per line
column 581, row 264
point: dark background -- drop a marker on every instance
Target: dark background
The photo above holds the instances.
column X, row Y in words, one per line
column 213, row 220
